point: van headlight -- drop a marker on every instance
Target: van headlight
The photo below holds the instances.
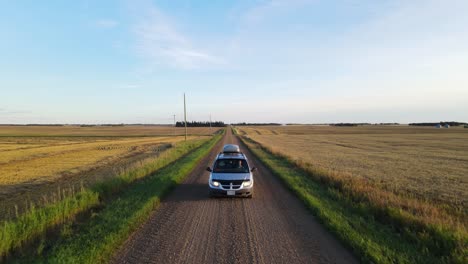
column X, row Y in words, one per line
column 247, row 183
column 215, row 183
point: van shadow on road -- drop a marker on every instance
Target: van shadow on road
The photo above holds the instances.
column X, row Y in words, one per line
column 189, row 192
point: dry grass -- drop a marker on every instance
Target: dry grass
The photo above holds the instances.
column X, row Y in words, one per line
column 325, row 130
column 428, row 163
column 101, row 131
column 36, row 161
column 411, row 180
column 28, row 233
column 31, row 153
column 46, row 163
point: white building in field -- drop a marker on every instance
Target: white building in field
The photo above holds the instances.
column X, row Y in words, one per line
column 447, row 126
column 438, row 126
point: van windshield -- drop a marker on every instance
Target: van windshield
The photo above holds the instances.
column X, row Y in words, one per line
column 231, row 166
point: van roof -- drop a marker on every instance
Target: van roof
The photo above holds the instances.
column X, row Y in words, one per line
column 231, row 148
column 231, row 156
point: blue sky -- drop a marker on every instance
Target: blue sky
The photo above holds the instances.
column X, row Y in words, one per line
column 255, row 61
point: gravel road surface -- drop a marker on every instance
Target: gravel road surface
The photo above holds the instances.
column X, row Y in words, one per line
column 272, row 227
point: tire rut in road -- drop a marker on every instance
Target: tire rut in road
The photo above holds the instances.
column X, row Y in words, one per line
column 273, row 227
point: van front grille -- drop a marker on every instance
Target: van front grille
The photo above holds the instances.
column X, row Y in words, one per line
column 236, row 184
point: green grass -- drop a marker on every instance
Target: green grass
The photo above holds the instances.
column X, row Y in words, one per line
column 108, row 187
column 96, row 240
column 30, row 226
column 359, row 225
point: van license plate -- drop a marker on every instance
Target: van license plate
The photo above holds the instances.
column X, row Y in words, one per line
column 231, row 192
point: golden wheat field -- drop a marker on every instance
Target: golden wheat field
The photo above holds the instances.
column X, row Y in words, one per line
column 425, row 162
column 37, row 160
column 101, row 131
column 54, row 159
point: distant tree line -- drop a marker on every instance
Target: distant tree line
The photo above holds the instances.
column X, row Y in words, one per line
column 364, row 124
column 256, row 124
column 344, row 124
column 387, row 124
column 43, row 125
column 442, row 123
column 350, row 124
column 101, row 125
column 200, row 124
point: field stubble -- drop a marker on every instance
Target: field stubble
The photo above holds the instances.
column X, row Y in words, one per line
column 412, row 181
column 425, row 163
column 36, row 163
column 26, row 236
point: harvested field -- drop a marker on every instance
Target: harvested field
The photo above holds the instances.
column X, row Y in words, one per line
column 47, row 162
column 428, row 163
column 409, row 181
column 35, row 168
column 101, row 131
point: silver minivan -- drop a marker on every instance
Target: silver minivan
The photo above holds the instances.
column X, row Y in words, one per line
column 231, row 174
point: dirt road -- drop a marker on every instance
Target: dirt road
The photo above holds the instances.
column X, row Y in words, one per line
column 273, row 227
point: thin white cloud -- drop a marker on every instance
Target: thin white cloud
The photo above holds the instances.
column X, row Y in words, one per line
column 416, row 47
column 162, row 44
column 131, row 86
column 258, row 44
column 410, row 45
column 4, row 111
column 106, row 23
column 405, row 56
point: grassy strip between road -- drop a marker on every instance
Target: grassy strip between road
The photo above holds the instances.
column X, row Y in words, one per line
column 377, row 235
column 97, row 239
column 34, row 224
column 18, row 232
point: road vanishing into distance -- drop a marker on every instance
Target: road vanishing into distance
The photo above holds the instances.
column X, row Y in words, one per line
column 272, row 227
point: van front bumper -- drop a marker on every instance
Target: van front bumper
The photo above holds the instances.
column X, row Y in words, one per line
column 243, row 192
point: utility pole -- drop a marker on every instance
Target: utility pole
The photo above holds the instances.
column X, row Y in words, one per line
column 185, row 118
column 174, row 125
column 210, row 124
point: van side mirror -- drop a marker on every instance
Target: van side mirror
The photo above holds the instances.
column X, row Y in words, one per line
column 209, row 169
column 253, row 169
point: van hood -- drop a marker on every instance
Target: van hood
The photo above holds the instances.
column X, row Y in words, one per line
column 230, row 176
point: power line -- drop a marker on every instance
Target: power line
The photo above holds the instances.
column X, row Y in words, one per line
column 174, row 126
column 185, row 118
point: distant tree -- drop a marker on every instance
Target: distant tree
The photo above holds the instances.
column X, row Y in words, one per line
column 44, row 125
column 256, row 124
column 387, row 124
column 350, row 124
column 200, row 124
column 442, row 123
